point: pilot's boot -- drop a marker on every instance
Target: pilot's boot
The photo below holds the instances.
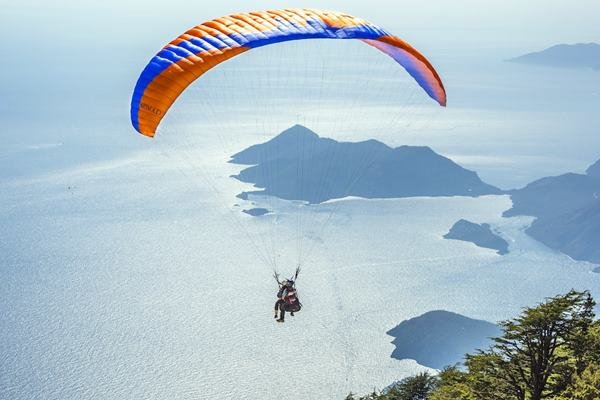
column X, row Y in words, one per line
column 281, row 315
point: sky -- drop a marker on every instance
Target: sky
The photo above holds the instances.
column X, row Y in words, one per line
column 104, row 248
column 72, row 65
column 60, row 47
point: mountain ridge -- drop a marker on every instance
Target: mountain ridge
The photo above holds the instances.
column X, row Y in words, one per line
column 567, row 211
column 299, row 165
column 579, row 55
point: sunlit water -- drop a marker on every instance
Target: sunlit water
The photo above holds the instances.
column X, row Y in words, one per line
column 123, row 280
column 129, row 271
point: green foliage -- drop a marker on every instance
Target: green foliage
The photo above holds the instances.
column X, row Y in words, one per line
column 457, row 391
column 453, row 385
column 585, row 386
column 537, row 355
column 551, row 351
column 416, row 387
column 539, row 351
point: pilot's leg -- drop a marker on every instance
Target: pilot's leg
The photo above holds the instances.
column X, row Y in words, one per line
column 277, row 305
column 281, row 312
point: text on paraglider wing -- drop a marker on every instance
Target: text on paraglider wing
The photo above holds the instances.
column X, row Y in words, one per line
column 150, row 108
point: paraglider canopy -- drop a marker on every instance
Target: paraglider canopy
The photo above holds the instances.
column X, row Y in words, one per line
column 203, row 47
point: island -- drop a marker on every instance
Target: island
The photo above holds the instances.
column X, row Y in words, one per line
column 580, row 55
column 567, row 211
column 479, row 234
column 299, row 165
column 440, row 338
column 256, row 212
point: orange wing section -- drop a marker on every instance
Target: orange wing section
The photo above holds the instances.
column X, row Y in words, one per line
column 202, row 47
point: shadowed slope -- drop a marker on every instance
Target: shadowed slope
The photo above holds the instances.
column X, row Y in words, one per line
column 299, row 165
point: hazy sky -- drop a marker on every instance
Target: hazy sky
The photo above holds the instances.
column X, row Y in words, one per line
column 69, row 66
column 72, row 40
column 539, row 21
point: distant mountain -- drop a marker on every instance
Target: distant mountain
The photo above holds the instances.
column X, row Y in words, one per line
column 567, row 208
column 440, row 338
column 581, row 55
column 576, row 233
column 594, row 170
column 478, row 234
column 555, row 195
column 299, row 165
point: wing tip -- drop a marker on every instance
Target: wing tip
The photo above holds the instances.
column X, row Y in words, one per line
column 145, row 132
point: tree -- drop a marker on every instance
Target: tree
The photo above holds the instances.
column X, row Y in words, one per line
column 585, row 386
column 492, row 377
column 532, row 355
column 551, row 350
column 453, row 384
column 417, row 387
column 584, row 342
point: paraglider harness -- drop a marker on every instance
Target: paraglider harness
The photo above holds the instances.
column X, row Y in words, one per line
column 288, row 293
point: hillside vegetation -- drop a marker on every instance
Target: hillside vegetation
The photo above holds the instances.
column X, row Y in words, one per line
column 550, row 351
